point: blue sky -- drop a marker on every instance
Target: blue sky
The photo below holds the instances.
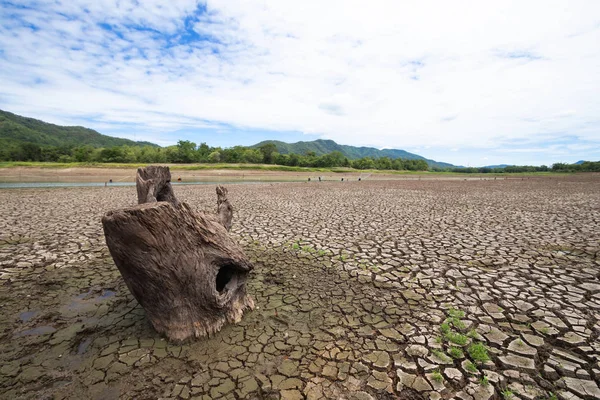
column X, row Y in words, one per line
column 471, row 83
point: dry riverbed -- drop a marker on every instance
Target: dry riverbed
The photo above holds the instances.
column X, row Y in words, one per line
column 411, row 289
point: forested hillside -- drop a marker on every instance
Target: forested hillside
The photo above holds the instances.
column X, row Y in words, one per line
column 15, row 129
column 321, row 147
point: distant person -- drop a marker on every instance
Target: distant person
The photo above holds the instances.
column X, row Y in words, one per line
column 342, row 179
column 309, row 179
column 359, row 179
column 110, row 180
column 179, row 179
column 319, row 179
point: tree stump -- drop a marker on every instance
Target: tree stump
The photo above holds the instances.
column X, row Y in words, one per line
column 224, row 208
column 153, row 183
column 181, row 266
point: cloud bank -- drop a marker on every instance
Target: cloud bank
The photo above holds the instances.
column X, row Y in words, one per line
column 466, row 82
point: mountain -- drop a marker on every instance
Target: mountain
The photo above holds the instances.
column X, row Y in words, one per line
column 320, row 147
column 498, row 166
column 15, row 129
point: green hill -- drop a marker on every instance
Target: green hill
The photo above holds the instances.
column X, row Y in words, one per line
column 320, row 147
column 15, row 129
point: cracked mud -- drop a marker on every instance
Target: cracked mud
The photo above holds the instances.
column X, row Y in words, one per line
column 433, row 289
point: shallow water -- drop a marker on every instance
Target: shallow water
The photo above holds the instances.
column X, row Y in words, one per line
column 24, row 185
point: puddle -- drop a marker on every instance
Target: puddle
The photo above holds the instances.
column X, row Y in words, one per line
column 107, row 294
column 83, row 345
column 87, row 302
column 40, row 330
column 27, row 315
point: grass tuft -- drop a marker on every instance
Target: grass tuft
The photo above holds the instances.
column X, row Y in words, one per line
column 456, row 352
column 478, row 352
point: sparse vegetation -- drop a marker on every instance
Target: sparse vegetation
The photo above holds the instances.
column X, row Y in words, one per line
column 441, row 355
column 457, row 338
column 436, row 376
column 471, row 368
column 478, row 352
column 456, row 352
column 507, row 394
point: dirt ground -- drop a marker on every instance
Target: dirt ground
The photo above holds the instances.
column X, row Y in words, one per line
column 34, row 174
column 119, row 175
column 409, row 289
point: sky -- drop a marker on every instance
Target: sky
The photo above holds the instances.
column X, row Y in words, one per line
column 467, row 82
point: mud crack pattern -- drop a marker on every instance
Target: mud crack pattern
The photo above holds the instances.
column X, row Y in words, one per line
column 364, row 290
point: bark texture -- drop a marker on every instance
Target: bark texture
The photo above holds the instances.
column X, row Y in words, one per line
column 181, row 266
column 153, row 183
column 224, row 208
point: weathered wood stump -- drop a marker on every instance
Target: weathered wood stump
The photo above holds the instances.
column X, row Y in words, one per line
column 224, row 208
column 181, row 266
column 153, row 184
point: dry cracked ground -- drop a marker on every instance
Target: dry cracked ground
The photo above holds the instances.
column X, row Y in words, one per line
column 479, row 289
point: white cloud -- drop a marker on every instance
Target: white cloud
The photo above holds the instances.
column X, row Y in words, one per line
column 382, row 73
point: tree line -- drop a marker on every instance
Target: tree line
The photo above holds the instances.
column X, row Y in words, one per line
column 188, row 152
column 586, row 166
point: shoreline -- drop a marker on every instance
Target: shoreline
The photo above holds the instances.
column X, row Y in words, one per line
column 188, row 173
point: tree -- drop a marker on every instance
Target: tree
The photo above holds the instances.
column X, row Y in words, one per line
column 252, row 156
column 31, row 152
column 214, row 157
column 383, row 163
column 83, row 153
column 363, row 163
column 267, row 151
column 186, row 151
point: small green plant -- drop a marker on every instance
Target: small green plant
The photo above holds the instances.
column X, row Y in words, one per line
column 445, row 328
column 507, row 394
column 308, row 249
column 484, row 381
column 472, row 334
column 456, row 352
column 296, row 246
column 441, row 355
column 552, row 396
column 436, row 376
column 471, row 368
column 454, row 317
column 321, row 252
column 478, row 352
column 520, row 342
column 454, row 313
column 456, row 338
column 438, row 339
column 374, row 268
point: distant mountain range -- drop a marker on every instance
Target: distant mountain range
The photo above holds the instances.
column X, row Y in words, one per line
column 497, row 166
column 15, row 129
column 321, row 146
